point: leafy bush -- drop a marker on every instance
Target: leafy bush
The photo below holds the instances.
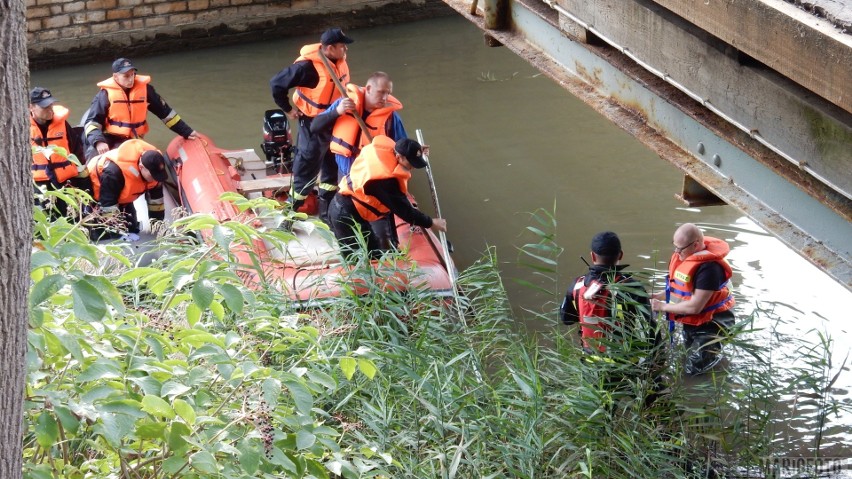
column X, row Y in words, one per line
column 178, row 370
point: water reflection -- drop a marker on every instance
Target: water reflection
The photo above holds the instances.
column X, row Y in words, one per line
column 507, row 141
column 793, row 302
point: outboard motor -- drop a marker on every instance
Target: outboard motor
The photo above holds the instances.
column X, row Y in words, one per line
column 277, row 143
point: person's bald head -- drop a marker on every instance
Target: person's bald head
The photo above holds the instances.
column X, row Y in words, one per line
column 688, row 239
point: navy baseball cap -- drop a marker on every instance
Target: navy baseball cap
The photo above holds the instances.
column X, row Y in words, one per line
column 412, row 151
column 41, row 97
column 334, row 35
column 155, row 164
column 122, row 65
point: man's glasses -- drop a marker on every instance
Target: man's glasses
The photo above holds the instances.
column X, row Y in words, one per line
column 679, row 249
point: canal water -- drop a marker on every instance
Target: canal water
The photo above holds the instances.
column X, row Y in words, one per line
column 505, row 142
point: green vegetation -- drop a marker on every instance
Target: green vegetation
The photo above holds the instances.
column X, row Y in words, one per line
column 178, row 370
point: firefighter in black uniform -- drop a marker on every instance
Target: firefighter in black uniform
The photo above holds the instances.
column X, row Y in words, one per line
column 119, row 111
column 314, row 92
column 57, row 147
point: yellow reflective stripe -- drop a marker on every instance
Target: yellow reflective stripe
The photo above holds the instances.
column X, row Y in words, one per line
column 92, row 127
column 173, row 121
column 327, row 187
column 153, row 207
column 297, row 196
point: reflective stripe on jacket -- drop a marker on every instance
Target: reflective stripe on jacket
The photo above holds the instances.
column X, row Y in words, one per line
column 346, row 130
column 376, row 162
column 128, row 112
column 127, row 158
column 681, row 278
column 313, row 101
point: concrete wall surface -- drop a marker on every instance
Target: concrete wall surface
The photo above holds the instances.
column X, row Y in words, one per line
column 62, row 32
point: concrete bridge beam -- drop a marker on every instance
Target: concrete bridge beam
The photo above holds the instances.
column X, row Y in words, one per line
column 746, row 133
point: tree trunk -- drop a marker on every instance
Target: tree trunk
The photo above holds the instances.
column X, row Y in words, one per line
column 15, row 230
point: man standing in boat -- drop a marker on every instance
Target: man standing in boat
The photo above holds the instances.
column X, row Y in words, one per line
column 698, row 295
column 57, row 148
column 315, row 90
column 120, row 109
column 610, row 305
column 377, row 109
column 377, row 186
column 375, row 104
column 122, row 175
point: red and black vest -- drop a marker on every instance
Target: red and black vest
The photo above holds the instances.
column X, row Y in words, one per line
column 596, row 309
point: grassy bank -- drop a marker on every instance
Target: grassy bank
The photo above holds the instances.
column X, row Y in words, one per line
column 178, row 370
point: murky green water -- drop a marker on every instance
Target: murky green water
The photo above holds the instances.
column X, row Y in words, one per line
column 506, row 141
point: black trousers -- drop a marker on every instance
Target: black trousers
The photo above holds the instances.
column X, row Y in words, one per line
column 313, row 158
column 346, row 223
column 60, row 208
column 703, row 349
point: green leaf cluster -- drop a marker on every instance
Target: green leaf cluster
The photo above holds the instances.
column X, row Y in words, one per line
column 176, row 369
column 197, row 366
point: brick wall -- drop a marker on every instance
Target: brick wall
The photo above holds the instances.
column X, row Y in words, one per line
column 61, row 32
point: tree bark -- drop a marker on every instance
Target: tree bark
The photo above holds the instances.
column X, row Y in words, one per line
column 15, row 231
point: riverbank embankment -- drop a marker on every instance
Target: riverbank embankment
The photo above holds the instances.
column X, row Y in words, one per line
column 68, row 32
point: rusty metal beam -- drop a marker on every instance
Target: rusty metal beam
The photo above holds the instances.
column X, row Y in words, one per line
column 496, row 14
column 694, row 193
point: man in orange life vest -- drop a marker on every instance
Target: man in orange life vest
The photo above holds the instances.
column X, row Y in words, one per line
column 315, row 91
column 120, row 109
column 55, row 146
column 376, row 106
column 609, row 304
column 698, row 296
column 122, row 175
column 377, row 186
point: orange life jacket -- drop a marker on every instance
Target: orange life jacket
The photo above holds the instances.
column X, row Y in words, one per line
column 128, row 112
column 680, row 281
column 313, row 101
column 346, row 129
column 127, row 158
column 376, row 162
column 52, row 162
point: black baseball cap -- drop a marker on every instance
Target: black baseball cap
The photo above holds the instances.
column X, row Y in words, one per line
column 412, row 151
column 122, row 65
column 41, row 97
column 155, row 164
column 606, row 244
column 334, row 35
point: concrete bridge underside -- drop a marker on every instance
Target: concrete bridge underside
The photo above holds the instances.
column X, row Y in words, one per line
column 751, row 99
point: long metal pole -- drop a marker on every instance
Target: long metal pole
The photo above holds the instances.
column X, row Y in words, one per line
column 441, row 235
